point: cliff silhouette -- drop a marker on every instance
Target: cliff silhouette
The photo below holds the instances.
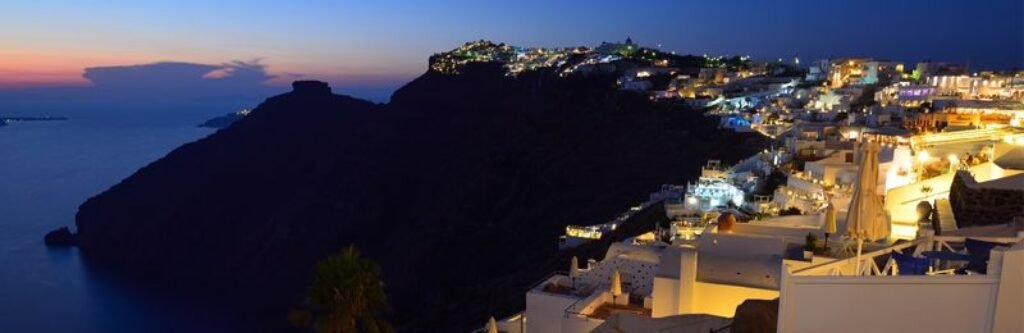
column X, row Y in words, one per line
column 458, row 188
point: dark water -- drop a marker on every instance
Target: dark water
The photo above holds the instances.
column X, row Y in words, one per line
column 47, row 169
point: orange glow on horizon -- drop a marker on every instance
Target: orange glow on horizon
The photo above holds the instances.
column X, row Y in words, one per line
column 26, row 69
column 32, row 68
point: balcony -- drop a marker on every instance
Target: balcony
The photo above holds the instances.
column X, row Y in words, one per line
column 878, row 298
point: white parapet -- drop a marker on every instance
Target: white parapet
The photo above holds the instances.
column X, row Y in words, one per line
column 828, row 297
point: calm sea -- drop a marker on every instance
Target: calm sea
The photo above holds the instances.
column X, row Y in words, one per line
column 47, row 169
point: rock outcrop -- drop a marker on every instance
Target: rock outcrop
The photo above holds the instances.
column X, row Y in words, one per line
column 60, row 237
column 459, row 189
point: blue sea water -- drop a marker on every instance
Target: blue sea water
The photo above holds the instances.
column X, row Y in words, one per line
column 47, row 169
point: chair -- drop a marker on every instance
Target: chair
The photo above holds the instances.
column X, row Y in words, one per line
column 979, row 250
column 910, row 265
column 943, row 218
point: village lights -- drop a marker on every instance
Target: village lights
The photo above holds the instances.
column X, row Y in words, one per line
column 853, row 134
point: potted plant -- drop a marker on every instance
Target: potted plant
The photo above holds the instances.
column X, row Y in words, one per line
column 809, row 245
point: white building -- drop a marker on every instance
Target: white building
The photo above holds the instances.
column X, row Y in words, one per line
column 833, row 297
column 699, row 286
column 711, row 277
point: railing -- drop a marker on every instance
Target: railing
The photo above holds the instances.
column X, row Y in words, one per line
column 580, row 309
column 967, row 302
column 955, row 137
column 869, row 266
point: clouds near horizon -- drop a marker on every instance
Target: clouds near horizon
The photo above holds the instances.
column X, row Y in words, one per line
column 387, row 42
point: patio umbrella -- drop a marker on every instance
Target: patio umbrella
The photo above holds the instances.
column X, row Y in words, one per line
column 492, row 326
column 830, row 222
column 866, row 220
column 616, row 287
column 574, row 270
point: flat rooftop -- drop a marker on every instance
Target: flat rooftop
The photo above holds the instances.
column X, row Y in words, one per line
column 608, row 309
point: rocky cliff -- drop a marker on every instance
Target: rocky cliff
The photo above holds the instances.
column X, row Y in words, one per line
column 458, row 188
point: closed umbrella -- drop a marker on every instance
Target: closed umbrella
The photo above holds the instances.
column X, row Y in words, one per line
column 616, row 288
column 866, row 220
column 574, row 270
column 492, row 326
column 830, row 222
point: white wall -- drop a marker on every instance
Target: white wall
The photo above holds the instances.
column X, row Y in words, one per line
column 576, row 319
column 666, row 297
column 544, row 311
column 636, row 265
column 803, row 185
column 1009, row 313
column 721, row 299
column 674, row 294
column 901, row 202
column 933, row 304
column 579, row 324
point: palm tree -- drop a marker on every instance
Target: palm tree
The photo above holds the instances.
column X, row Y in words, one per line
column 347, row 295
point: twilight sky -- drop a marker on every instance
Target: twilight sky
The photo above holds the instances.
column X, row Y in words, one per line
column 387, row 42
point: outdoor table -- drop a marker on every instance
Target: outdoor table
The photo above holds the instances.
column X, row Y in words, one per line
column 944, row 257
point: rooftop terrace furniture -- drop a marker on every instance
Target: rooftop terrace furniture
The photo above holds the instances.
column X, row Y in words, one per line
column 978, row 250
column 944, row 257
column 910, row 265
column 944, row 215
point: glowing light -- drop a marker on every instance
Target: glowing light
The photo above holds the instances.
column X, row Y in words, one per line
column 923, row 156
column 903, row 231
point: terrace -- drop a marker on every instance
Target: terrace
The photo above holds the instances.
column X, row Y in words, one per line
column 579, row 302
column 936, row 298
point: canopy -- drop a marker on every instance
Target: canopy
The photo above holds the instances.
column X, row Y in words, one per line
column 616, row 287
column 492, row 326
column 830, row 219
column 866, row 220
column 574, row 269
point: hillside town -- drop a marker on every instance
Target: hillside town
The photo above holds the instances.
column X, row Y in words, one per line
column 884, row 181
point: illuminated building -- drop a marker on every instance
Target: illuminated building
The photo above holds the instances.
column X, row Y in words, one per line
column 847, row 71
column 694, row 273
column 876, row 71
column 905, row 94
column 969, row 114
column 624, row 49
column 659, row 282
column 708, row 193
column 929, row 68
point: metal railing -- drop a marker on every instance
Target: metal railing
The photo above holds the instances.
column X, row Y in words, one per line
column 869, row 265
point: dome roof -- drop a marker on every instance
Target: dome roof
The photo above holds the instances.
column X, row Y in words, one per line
column 725, row 222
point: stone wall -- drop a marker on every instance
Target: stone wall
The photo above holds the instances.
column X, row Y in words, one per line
column 975, row 205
